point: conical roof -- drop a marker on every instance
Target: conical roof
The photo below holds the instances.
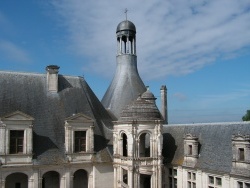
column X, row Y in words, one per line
column 142, row 109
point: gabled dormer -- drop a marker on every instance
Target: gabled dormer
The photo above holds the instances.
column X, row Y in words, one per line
column 79, row 137
column 241, row 148
column 16, row 132
column 241, row 154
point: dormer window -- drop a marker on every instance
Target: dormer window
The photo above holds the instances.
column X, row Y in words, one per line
column 80, row 141
column 79, row 137
column 241, row 154
column 16, row 141
column 16, row 132
column 241, row 148
column 190, row 150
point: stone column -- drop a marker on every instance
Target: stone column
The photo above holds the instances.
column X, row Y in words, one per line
column 71, row 181
column 199, row 178
column 3, row 184
column 226, row 181
column 7, row 141
column 31, row 182
column 91, row 184
column 128, row 50
column 179, row 177
column 2, row 136
column 91, row 138
column 115, row 176
column 130, row 142
column 40, row 182
column 29, row 140
column 138, row 148
column 120, row 45
column 63, row 182
column 160, row 176
column 68, row 182
column 35, row 179
column 130, row 177
column 68, row 135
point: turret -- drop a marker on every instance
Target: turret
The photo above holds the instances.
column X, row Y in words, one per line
column 126, row 84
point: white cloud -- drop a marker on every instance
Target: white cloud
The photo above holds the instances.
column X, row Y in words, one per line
column 174, row 37
column 180, row 96
column 223, row 99
column 13, row 52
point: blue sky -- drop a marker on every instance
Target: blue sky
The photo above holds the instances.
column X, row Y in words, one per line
column 199, row 49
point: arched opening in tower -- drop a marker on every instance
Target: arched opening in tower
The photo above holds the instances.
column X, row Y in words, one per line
column 124, row 145
column 144, row 145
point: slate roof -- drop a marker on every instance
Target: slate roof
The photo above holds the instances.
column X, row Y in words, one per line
column 215, row 144
column 125, row 87
column 28, row 93
column 142, row 109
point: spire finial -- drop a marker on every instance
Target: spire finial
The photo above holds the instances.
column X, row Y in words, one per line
column 126, row 13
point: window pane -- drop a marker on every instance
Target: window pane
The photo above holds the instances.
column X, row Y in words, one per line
column 240, row 185
column 175, row 172
column 241, row 154
column 189, row 175
column 175, row 183
column 16, row 141
column 247, row 185
column 194, row 185
column 170, row 183
column 211, row 180
column 170, row 171
column 189, row 185
column 80, row 141
column 218, row 181
column 189, row 149
column 125, row 176
column 194, row 176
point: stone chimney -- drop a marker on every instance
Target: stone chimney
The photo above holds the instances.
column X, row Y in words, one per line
column 164, row 105
column 52, row 78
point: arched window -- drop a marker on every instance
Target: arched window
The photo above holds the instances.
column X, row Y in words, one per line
column 51, row 179
column 17, row 180
column 144, row 145
column 124, row 145
column 80, row 179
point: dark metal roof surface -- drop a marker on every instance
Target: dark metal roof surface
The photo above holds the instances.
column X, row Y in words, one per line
column 27, row 93
column 125, row 87
column 125, row 25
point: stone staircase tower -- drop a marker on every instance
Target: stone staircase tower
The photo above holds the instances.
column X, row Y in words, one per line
column 137, row 141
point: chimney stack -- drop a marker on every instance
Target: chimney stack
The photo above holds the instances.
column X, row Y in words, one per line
column 164, row 105
column 52, row 78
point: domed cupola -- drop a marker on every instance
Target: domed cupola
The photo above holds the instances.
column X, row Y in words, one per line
column 125, row 26
column 142, row 109
column 125, row 33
